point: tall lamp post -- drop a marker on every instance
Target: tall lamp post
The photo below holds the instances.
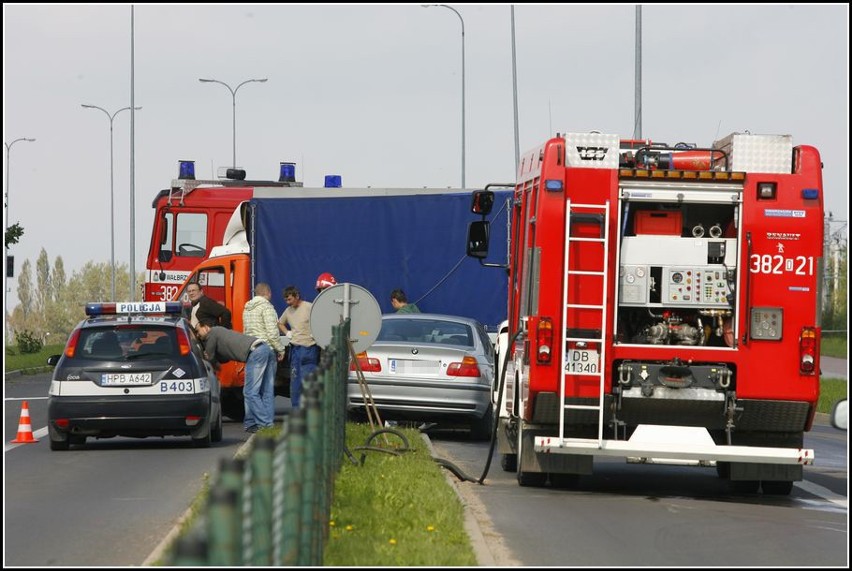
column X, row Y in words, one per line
column 6, row 224
column 111, row 190
column 462, row 90
column 234, row 105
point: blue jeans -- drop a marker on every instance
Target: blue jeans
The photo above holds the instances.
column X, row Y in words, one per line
column 259, row 387
column 303, row 360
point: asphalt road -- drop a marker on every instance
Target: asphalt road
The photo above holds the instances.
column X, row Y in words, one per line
column 834, row 368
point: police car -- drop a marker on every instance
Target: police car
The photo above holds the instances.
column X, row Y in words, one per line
column 133, row 369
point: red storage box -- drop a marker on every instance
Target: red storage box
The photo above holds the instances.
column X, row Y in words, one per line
column 665, row 222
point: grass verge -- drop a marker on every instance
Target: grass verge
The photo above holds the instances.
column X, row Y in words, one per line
column 395, row 510
column 15, row 361
column 834, row 345
column 831, row 391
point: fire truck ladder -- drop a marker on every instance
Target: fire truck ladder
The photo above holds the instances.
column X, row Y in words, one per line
column 599, row 308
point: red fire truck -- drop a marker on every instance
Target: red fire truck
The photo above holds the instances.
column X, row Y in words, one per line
column 191, row 218
column 664, row 307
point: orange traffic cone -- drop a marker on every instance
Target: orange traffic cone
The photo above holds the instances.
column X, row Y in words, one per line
column 25, row 429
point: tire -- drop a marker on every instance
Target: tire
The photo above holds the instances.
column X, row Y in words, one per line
column 57, row 442
column 77, row 440
column 533, row 479
column 205, row 439
column 216, row 430
column 482, row 428
column 777, row 487
column 745, row 486
column 559, row 480
column 59, row 445
column 509, row 462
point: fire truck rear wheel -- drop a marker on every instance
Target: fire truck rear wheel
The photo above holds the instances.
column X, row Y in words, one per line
column 509, row 462
column 559, row 480
column 745, row 486
column 534, row 479
column 777, row 488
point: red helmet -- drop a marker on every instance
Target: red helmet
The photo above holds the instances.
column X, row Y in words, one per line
column 325, row 280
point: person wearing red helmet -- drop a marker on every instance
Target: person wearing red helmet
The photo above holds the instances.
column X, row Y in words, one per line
column 325, row 280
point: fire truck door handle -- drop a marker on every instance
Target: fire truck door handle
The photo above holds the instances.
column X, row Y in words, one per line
column 746, row 298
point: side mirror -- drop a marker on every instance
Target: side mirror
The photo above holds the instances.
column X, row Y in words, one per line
column 483, row 202
column 477, row 239
column 840, row 415
column 53, row 360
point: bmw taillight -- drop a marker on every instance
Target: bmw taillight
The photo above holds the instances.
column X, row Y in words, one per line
column 183, row 342
column 807, row 350
column 544, row 340
column 366, row 363
column 71, row 346
column 467, row 368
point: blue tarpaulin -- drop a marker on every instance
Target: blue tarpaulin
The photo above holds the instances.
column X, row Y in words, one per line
column 412, row 242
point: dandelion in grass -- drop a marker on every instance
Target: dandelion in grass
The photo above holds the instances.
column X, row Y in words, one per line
column 430, row 528
column 392, row 541
column 331, row 523
column 350, row 527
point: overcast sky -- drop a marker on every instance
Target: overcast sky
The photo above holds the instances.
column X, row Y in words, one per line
column 373, row 94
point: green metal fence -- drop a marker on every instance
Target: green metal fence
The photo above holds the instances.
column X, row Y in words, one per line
column 273, row 508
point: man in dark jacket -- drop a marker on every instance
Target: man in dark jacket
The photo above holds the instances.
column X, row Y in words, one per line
column 222, row 345
column 205, row 308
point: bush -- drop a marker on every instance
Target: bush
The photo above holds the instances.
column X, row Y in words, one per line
column 28, row 342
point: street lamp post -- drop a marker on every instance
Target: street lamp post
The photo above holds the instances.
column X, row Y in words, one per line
column 234, row 106
column 111, row 190
column 462, row 89
column 6, row 223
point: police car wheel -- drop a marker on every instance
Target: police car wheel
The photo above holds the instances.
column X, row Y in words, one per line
column 59, row 444
column 58, row 441
column 205, row 439
column 216, row 430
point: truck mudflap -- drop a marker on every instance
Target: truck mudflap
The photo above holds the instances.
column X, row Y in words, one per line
column 686, row 445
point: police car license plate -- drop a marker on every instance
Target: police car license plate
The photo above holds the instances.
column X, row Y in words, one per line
column 582, row 361
column 124, row 379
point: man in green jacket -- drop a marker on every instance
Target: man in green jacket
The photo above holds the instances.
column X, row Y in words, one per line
column 399, row 301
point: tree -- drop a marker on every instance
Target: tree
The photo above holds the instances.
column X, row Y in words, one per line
column 55, row 306
column 58, row 278
column 25, row 288
column 44, row 293
column 13, row 234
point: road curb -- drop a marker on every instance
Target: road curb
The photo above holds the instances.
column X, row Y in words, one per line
column 483, row 555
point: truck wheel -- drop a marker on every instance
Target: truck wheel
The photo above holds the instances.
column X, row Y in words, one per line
column 509, row 462
column 745, row 486
column 535, row 479
column 559, row 480
column 777, row 488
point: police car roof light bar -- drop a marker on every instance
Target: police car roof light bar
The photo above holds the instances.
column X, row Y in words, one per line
column 131, row 307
